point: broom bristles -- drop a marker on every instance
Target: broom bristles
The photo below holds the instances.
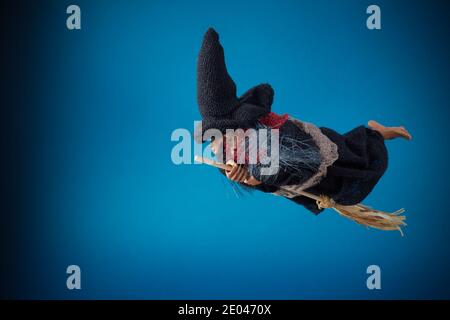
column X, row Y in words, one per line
column 372, row 218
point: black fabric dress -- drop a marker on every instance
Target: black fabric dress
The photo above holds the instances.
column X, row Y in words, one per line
column 362, row 160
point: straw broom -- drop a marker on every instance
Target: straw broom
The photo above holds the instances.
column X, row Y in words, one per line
column 359, row 213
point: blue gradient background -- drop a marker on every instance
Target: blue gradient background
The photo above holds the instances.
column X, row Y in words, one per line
column 102, row 192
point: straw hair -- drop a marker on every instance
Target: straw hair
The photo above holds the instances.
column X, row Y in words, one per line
column 359, row 213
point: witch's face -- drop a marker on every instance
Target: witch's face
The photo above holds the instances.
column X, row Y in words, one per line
column 218, row 146
column 222, row 148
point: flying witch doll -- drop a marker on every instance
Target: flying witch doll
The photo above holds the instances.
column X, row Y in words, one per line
column 318, row 168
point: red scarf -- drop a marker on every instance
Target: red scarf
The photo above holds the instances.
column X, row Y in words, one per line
column 273, row 120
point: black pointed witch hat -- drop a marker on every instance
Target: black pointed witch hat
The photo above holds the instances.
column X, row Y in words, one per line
column 216, row 92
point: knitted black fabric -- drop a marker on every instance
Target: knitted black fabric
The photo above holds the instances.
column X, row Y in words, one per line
column 216, row 92
column 363, row 159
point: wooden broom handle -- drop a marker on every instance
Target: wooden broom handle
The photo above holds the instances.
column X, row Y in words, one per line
column 213, row 163
column 229, row 168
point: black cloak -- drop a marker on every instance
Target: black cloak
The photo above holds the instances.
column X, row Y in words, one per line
column 362, row 160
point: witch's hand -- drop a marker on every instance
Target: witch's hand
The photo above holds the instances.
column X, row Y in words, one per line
column 238, row 172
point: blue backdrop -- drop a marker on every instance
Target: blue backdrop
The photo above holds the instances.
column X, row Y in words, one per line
column 103, row 193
